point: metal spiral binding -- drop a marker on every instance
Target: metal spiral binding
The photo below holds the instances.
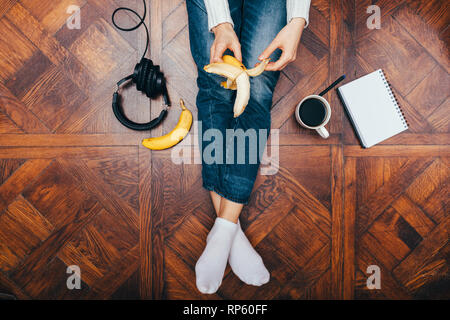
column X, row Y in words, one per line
column 394, row 99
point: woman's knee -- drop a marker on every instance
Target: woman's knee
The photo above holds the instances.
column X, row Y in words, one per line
column 261, row 93
column 263, row 86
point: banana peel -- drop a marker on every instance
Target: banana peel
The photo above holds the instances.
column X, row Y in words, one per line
column 237, row 79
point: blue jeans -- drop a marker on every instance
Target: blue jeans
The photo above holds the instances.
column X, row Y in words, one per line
column 256, row 23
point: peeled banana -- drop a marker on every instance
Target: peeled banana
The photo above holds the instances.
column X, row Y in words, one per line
column 175, row 136
column 237, row 79
column 232, row 60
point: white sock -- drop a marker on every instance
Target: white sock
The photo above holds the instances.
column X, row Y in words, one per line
column 211, row 265
column 245, row 262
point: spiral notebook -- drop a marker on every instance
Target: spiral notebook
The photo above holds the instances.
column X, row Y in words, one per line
column 372, row 108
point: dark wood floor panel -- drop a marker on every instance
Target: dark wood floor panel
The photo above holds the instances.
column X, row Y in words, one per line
column 77, row 188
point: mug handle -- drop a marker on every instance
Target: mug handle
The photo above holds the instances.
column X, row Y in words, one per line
column 323, row 132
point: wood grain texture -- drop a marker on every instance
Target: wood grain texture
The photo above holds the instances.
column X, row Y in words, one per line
column 349, row 275
column 338, row 222
column 145, row 223
column 77, row 188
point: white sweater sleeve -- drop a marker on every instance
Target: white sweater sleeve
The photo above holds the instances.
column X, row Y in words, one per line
column 219, row 11
column 298, row 9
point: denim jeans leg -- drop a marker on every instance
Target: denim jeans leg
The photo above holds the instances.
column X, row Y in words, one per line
column 214, row 104
column 261, row 22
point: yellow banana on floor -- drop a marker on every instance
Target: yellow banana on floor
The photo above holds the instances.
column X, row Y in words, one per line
column 237, row 79
column 176, row 135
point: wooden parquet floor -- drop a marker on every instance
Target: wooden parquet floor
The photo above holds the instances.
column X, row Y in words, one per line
column 77, row 188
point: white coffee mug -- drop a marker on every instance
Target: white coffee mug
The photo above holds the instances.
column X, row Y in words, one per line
column 320, row 128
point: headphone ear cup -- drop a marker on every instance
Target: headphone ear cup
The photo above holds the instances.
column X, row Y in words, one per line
column 137, row 70
column 153, row 80
column 158, row 82
column 148, row 84
column 158, row 77
column 140, row 84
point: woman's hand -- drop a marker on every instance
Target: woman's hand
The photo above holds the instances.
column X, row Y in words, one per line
column 287, row 40
column 225, row 38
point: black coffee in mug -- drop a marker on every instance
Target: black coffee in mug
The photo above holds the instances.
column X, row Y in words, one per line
column 312, row 112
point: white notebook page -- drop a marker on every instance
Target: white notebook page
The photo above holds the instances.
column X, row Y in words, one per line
column 374, row 112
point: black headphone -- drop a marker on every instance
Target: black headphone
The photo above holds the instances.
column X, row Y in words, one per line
column 147, row 77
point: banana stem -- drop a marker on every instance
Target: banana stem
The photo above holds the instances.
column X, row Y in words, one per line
column 182, row 104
